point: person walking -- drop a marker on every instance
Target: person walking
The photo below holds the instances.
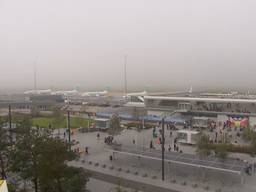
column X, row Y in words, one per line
column 151, row 146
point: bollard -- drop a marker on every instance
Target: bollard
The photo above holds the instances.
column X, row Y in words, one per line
column 195, row 185
column 173, row 181
column 145, row 175
column 111, row 167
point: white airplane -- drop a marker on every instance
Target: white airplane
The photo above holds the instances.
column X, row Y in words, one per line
column 187, row 92
column 144, row 93
column 190, row 91
column 95, row 94
column 139, row 95
column 66, row 93
column 38, row 92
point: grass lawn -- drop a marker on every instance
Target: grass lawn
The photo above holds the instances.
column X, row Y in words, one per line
column 75, row 122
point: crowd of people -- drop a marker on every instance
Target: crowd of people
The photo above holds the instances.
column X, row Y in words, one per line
column 159, row 140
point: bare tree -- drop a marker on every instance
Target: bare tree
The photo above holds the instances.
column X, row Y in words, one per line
column 115, row 127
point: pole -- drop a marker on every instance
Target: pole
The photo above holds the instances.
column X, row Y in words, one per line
column 125, row 75
column 88, row 124
column 163, row 142
column 10, row 123
column 69, row 131
column 35, row 77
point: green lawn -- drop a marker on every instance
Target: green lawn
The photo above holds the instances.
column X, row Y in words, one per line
column 42, row 121
column 75, row 122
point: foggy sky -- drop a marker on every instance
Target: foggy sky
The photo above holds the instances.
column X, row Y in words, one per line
column 169, row 43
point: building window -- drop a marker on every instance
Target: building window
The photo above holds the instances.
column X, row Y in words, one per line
column 168, row 103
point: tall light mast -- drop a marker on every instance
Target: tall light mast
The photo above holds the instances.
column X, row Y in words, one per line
column 125, row 75
column 35, row 77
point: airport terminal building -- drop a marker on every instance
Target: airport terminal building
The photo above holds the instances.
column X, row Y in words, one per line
column 22, row 104
column 205, row 109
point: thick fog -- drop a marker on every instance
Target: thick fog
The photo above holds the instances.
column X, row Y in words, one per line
column 170, row 44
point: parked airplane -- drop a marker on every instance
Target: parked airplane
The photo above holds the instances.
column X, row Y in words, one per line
column 95, row 94
column 187, row 92
column 138, row 95
column 66, row 93
column 144, row 93
column 38, row 92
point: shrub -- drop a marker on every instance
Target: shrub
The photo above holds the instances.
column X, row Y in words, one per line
column 222, row 150
column 248, row 134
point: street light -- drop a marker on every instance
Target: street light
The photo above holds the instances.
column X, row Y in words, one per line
column 163, row 142
column 67, row 108
column 68, row 124
column 10, row 123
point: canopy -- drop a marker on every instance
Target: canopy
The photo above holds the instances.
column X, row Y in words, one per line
column 152, row 118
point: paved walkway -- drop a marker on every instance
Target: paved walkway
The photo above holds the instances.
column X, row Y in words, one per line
column 98, row 154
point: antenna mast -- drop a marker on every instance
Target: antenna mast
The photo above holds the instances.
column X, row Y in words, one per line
column 35, row 76
column 125, row 75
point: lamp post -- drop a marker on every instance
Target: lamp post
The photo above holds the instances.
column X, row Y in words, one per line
column 67, row 109
column 163, row 142
column 68, row 125
column 10, row 123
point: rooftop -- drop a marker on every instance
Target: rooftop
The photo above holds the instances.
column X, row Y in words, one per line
column 202, row 99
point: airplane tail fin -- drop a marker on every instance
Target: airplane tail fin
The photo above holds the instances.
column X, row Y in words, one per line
column 190, row 90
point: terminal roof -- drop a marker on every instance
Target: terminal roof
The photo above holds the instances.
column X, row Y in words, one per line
column 214, row 100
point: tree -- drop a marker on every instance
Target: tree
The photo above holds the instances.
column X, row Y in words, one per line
column 55, row 174
column 58, row 120
column 75, row 180
column 203, row 145
column 253, row 147
column 135, row 113
column 114, row 125
column 26, row 154
column 35, row 111
column 3, row 149
column 248, row 134
column 222, row 150
column 42, row 159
